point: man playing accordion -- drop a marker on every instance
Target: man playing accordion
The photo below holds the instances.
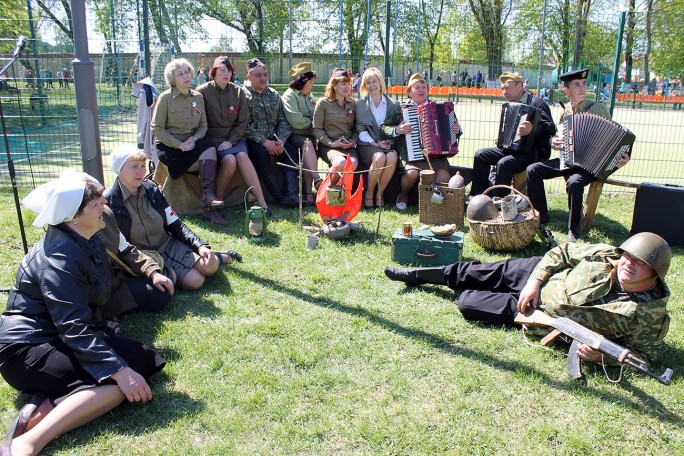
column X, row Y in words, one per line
column 509, row 161
column 575, row 88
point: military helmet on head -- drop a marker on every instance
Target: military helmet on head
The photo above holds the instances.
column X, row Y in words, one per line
column 651, row 249
column 481, row 208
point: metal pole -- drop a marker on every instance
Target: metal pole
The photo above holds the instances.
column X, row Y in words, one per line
column 365, row 49
column 289, row 13
column 388, row 75
column 146, row 38
column 541, row 49
column 86, row 95
column 340, row 40
column 394, row 39
column 420, row 13
column 34, row 49
column 116, row 55
column 616, row 60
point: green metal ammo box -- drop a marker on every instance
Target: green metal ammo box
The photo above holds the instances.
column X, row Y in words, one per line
column 426, row 249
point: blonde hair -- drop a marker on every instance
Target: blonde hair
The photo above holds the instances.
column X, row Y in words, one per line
column 173, row 65
column 372, row 71
column 330, row 86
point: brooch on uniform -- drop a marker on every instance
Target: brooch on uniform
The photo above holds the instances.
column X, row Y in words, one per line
column 350, row 113
column 231, row 110
column 195, row 109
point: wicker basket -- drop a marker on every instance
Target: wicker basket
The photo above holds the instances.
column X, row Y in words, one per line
column 450, row 211
column 506, row 236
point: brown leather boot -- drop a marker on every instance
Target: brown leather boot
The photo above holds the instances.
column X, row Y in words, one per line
column 207, row 175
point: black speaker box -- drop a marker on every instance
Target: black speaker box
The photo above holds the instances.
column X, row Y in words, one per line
column 659, row 208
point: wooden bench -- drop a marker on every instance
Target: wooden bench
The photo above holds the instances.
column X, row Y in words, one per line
column 593, row 196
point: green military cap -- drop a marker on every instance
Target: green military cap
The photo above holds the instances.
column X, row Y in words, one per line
column 299, row 69
column 511, row 76
column 575, row 74
column 415, row 77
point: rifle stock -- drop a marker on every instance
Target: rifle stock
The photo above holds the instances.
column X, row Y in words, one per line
column 582, row 335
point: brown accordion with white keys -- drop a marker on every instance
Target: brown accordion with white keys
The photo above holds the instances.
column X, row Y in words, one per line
column 594, row 143
column 435, row 129
column 512, row 115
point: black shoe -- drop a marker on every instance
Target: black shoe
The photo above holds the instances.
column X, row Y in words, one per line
column 416, row 276
column 268, row 213
column 546, row 236
column 572, row 237
column 406, row 275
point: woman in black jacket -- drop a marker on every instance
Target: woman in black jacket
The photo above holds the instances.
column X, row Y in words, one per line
column 153, row 225
column 54, row 341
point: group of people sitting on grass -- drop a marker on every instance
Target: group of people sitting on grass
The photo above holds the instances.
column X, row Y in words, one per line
column 124, row 249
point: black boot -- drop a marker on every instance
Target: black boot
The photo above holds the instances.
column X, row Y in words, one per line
column 290, row 193
column 416, row 276
column 272, row 186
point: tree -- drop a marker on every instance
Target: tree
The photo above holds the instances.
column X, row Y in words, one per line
column 581, row 15
column 54, row 9
column 668, row 39
column 12, row 28
column 491, row 15
column 629, row 41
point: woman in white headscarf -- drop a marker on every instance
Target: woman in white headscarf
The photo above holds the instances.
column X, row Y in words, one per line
column 147, row 221
column 55, row 314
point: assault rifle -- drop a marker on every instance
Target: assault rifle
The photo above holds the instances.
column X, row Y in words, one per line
column 581, row 335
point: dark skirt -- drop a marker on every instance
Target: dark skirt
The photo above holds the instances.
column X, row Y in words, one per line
column 53, row 369
column 178, row 161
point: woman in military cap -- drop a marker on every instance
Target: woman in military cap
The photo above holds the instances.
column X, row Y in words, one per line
column 299, row 105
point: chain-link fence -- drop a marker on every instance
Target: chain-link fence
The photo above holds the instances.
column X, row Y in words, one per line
column 461, row 46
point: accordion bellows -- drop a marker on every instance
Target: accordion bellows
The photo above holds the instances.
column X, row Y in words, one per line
column 435, row 129
column 594, row 143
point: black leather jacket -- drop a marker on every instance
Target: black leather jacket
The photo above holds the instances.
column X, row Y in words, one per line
column 177, row 229
column 59, row 292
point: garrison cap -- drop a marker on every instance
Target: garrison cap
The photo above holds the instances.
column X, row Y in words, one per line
column 575, row 74
column 299, row 69
column 510, row 76
column 415, row 77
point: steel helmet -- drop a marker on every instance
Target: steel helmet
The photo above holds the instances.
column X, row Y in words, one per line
column 651, row 249
column 481, row 208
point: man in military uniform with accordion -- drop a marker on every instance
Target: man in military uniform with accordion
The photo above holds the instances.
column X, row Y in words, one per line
column 575, row 88
column 532, row 143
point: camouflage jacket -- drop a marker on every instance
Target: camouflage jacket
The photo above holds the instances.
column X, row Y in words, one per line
column 266, row 116
column 580, row 283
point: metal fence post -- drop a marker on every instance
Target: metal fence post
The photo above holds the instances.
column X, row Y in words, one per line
column 86, row 96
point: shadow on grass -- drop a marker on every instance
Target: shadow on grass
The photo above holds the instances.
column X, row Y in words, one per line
column 644, row 402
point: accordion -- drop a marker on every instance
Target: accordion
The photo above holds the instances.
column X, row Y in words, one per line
column 435, row 129
column 512, row 115
column 594, row 143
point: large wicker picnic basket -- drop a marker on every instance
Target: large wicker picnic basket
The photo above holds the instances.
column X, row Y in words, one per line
column 506, row 236
column 450, row 211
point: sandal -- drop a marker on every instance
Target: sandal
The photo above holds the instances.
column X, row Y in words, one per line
column 317, row 184
column 232, row 255
column 308, row 200
column 401, row 202
column 369, row 206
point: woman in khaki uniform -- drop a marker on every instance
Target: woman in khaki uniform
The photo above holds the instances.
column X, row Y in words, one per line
column 375, row 147
column 179, row 124
column 333, row 122
column 299, row 104
column 227, row 119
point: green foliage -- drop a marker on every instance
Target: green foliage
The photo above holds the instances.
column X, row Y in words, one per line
column 668, row 39
column 16, row 23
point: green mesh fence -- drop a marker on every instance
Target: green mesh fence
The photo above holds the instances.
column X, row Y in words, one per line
column 461, row 46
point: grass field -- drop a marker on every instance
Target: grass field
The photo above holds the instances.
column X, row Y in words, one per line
column 316, row 352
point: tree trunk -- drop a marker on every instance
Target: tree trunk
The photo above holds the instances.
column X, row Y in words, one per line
column 583, row 7
column 629, row 42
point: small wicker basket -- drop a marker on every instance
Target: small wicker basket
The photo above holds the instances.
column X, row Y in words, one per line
column 450, row 211
column 506, row 236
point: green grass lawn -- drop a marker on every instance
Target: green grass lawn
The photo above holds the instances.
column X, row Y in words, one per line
column 316, row 352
